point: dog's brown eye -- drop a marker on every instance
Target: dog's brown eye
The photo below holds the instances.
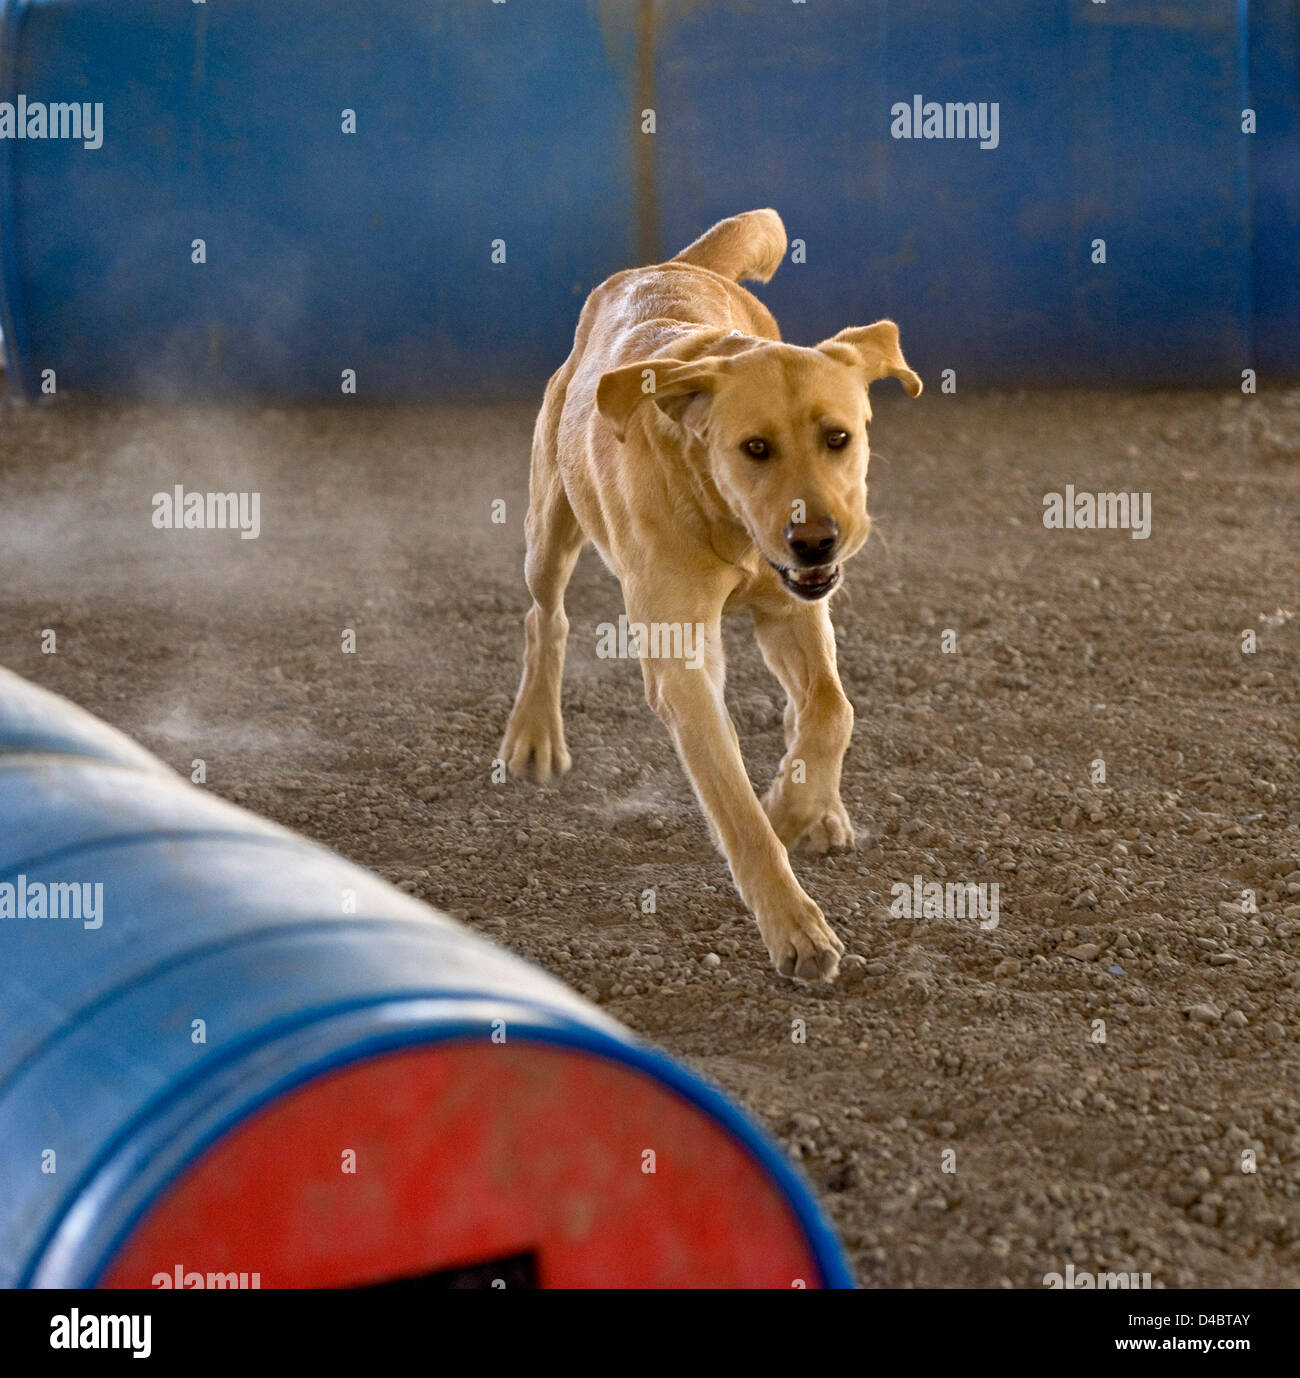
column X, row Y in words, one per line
column 836, row 440
column 757, row 448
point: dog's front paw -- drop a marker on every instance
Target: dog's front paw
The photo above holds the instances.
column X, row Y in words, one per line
column 534, row 745
column 803, row 946
column 811, row 824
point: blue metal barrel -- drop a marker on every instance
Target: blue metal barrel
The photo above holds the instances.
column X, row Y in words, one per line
column 202, row 1015
column 503, row 163
column 476, row 125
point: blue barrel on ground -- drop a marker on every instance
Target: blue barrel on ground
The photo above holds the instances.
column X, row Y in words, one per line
column 229, row 1058
column 293, row 199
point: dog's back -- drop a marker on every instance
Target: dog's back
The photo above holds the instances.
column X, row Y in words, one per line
column 640, row 312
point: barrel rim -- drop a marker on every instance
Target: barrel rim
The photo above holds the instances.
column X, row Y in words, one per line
column 83, row 1261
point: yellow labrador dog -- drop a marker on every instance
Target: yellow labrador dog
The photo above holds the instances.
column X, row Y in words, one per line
column 715, row 469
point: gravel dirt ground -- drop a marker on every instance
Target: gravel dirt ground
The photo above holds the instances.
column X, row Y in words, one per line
column 943, row 1045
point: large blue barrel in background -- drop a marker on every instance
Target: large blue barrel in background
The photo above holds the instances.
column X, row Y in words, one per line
column 325, row 250
column 501, row 165
column 190, row 1053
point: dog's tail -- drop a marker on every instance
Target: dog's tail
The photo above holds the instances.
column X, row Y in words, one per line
column 751, row 246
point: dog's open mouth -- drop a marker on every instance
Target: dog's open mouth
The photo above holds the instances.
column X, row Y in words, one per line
column 809, row 584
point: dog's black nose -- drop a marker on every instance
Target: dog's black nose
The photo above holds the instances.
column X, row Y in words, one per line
column 813, row 543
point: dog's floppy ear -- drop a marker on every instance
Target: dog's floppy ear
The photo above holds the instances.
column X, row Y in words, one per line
column 875, row 349
column 671, row 383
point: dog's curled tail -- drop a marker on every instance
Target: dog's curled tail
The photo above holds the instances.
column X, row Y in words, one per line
column 750, row 246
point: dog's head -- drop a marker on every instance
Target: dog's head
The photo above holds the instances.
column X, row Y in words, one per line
column 785, row 432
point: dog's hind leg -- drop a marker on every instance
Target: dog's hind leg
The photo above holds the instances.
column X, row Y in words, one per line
column 535, row 732
column 804, row 805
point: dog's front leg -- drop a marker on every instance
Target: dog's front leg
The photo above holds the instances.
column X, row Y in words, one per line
column 798, row 642
column 690, row 702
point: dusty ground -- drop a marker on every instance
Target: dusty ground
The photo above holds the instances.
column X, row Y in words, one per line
column 1119, row 903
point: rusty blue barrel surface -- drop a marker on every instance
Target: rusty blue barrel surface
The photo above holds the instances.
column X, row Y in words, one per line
column 227, row 1053
column 420, row 196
